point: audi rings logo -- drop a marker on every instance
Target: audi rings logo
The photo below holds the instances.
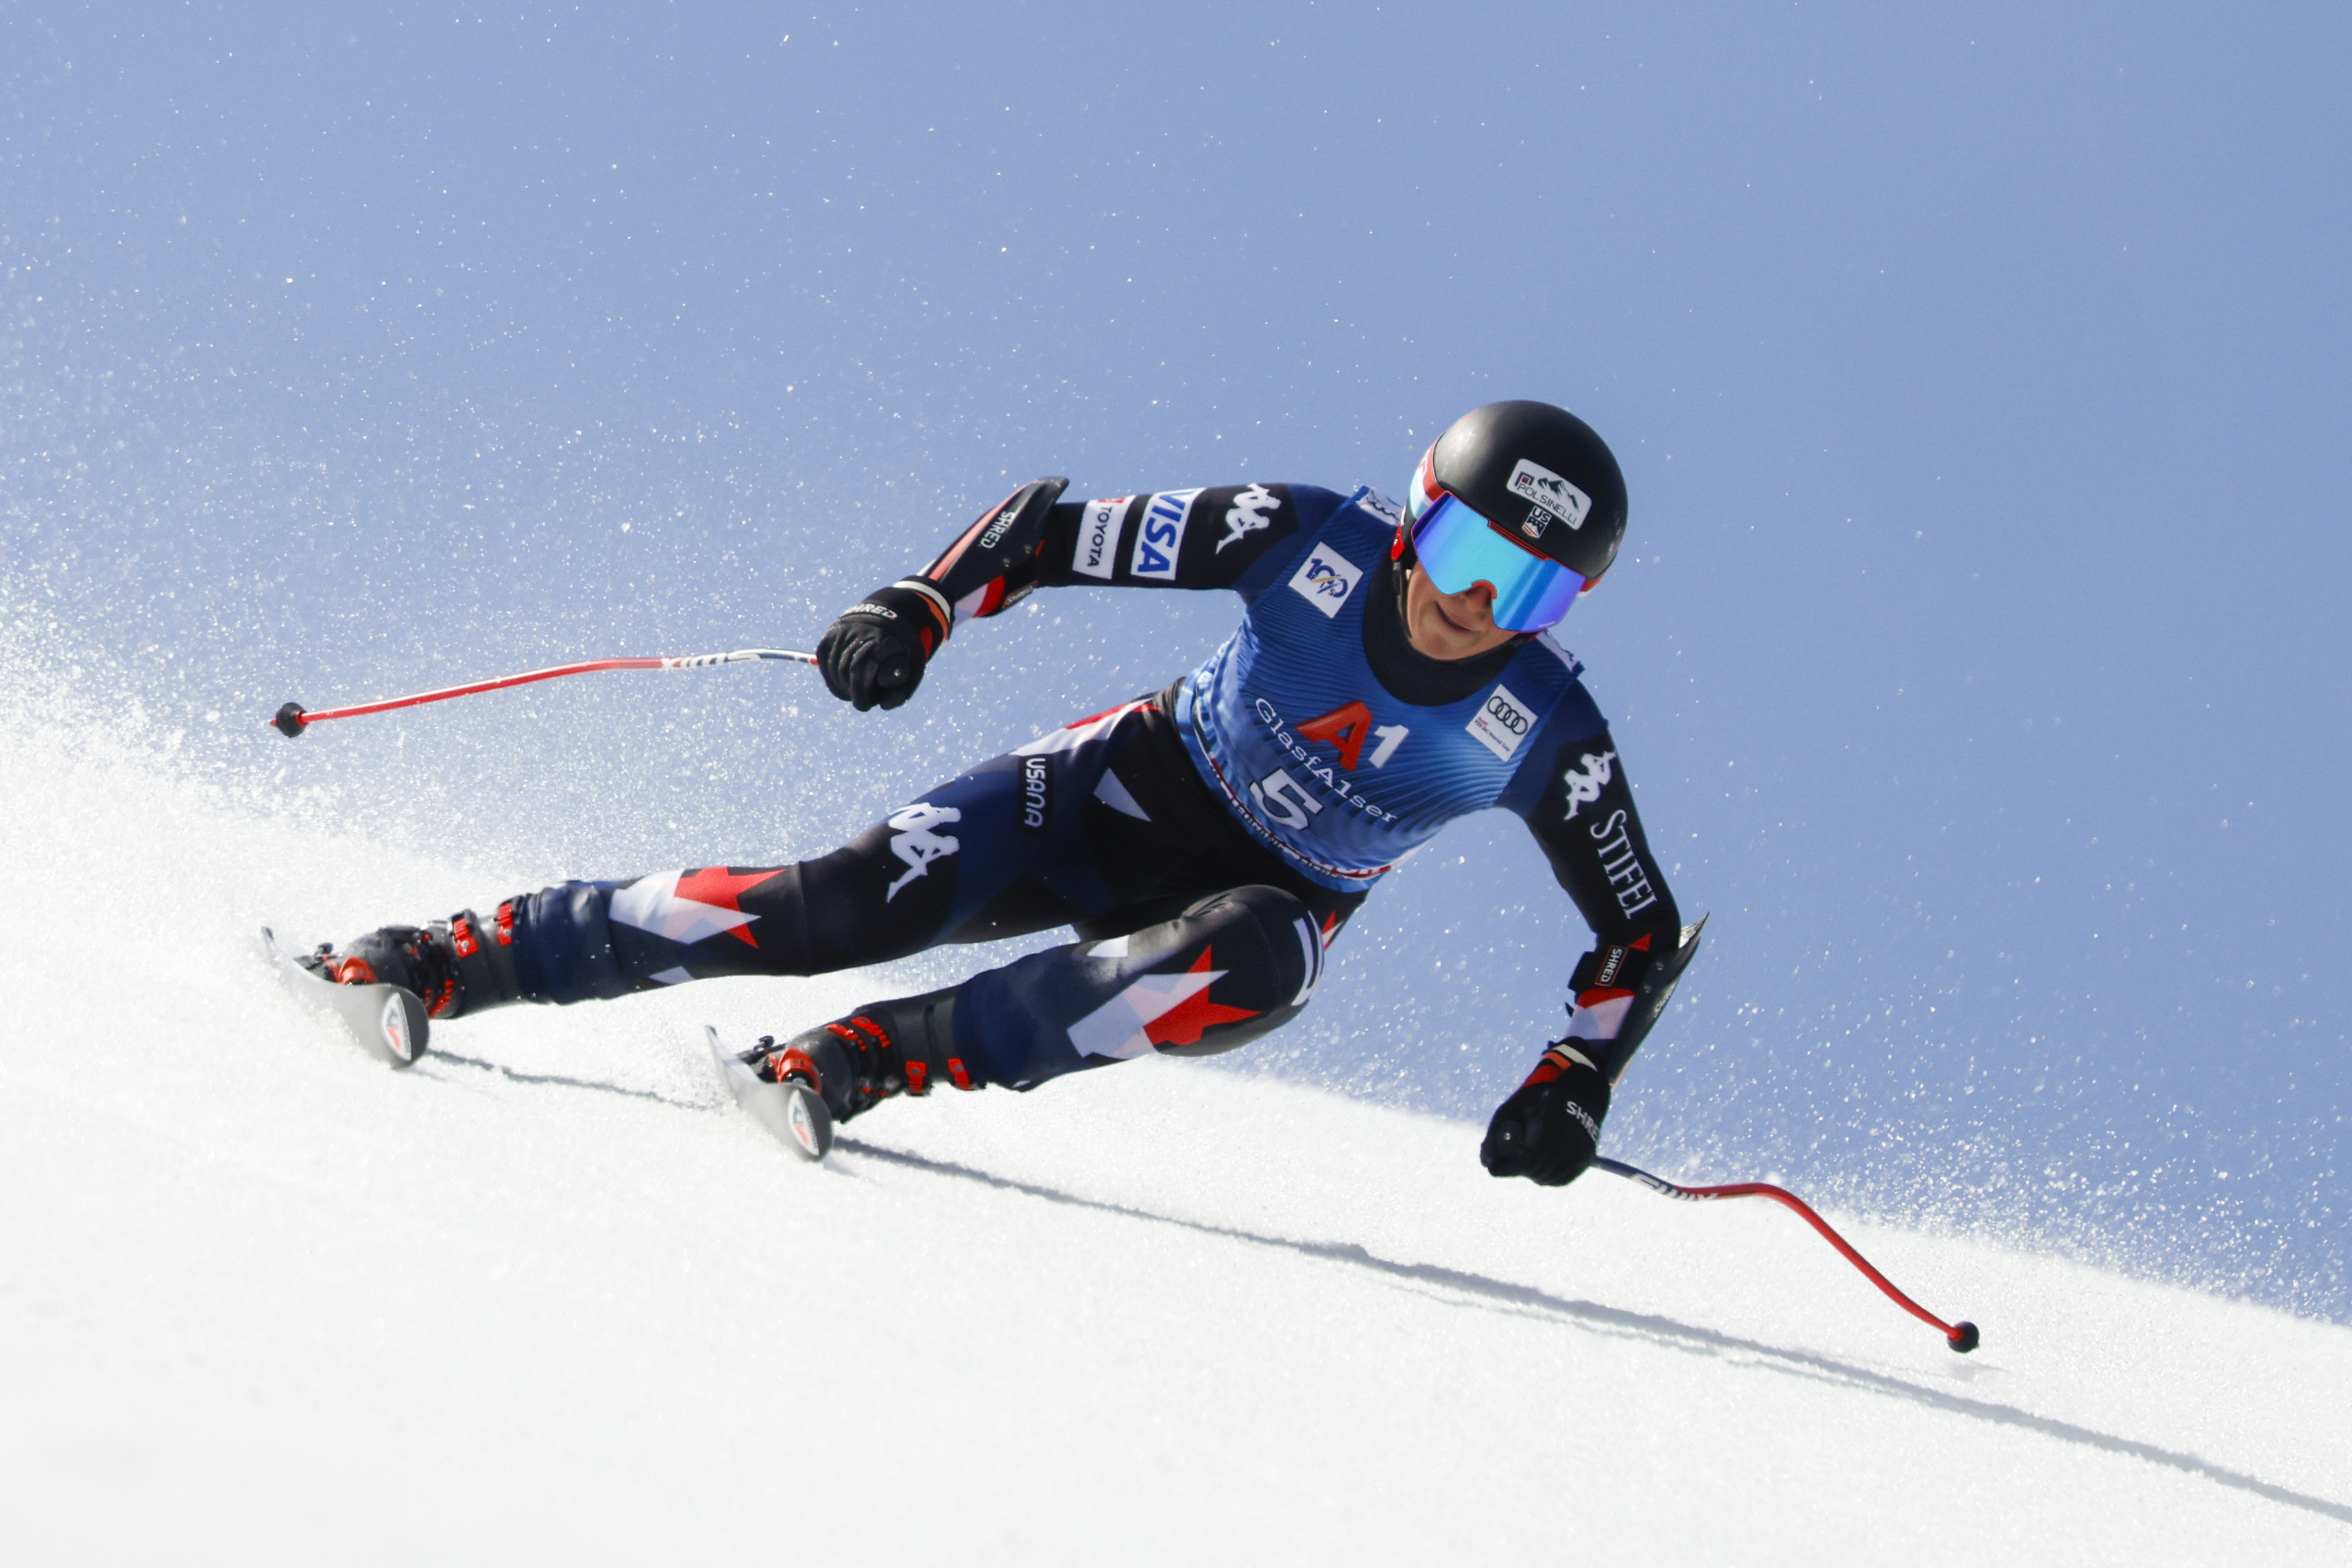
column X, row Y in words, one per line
column 1504, row 714
column 1501, row 722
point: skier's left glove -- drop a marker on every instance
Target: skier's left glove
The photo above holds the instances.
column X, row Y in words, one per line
column 1550, row 1129
column 874, row 654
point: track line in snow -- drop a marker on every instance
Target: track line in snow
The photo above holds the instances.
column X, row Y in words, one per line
column 1669, row 1331
column 558, row 1080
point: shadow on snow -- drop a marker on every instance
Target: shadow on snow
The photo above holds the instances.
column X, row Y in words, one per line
column 1526, row 1298
column 1667, row 1330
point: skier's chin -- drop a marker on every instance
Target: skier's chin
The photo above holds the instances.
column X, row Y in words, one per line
column 1448, row 627
column 1443, row 637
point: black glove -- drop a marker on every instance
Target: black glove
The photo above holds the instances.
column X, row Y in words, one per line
column 1550, row 1129
column 874, row 654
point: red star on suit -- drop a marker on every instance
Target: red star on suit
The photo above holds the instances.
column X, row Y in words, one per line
column 720, row 888
column 1182, row 1024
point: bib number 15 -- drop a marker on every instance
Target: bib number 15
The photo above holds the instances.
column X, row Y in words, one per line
column 1285, row 800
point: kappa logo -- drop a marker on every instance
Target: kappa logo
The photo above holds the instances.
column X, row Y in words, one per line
column 1586, row 781
column 1251, row 511
column 1501, row 723
column 1098, row 536
column 1325, row 578
column 1161, row 535
column 1534, row 483
column 913, row 842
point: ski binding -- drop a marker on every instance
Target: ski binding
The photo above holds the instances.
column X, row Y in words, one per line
column 794, row 1111
column 388, row 1021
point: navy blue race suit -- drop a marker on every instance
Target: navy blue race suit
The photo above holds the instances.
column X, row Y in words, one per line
column 1205, row 841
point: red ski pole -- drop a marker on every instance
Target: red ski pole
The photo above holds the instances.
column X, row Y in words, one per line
column 1961, row 1336
column 293, row 719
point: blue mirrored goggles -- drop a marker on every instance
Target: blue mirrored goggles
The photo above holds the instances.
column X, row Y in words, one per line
column 1459, row 548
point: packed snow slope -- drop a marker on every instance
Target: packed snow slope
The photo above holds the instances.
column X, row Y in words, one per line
column 549, row 1297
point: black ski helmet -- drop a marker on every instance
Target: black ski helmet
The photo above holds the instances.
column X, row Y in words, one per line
column 1535, row 469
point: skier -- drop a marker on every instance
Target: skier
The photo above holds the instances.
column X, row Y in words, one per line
column 1392, row 672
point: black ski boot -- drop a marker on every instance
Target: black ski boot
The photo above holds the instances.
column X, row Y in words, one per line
column 455, row 966
column 883, row 1049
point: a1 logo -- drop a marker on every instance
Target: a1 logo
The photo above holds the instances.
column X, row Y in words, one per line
column 1347, row 727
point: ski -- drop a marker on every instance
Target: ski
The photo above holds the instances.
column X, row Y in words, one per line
column 388, row 1021
column 799, row 1118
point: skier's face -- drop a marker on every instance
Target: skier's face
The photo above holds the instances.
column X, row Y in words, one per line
column 1451, row 625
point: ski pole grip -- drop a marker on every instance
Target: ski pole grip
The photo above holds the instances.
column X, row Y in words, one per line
column 289, row 720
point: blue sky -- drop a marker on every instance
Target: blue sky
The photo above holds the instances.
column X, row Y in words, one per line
column 1976, row 375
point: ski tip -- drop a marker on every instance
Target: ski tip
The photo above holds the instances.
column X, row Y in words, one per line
column 1963, row 1337
column 406, row 1028
column 810, row 1122
column 390, row 1021
column 794, row 1113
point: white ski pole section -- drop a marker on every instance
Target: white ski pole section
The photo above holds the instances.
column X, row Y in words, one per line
column 740, row 656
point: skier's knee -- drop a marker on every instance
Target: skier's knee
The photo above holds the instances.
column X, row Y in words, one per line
column 1266, row 953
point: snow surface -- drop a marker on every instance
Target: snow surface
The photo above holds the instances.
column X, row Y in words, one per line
column 551, row 1297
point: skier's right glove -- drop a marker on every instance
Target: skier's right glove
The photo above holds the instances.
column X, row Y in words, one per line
column 874, row 654
column 1550, row 1129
